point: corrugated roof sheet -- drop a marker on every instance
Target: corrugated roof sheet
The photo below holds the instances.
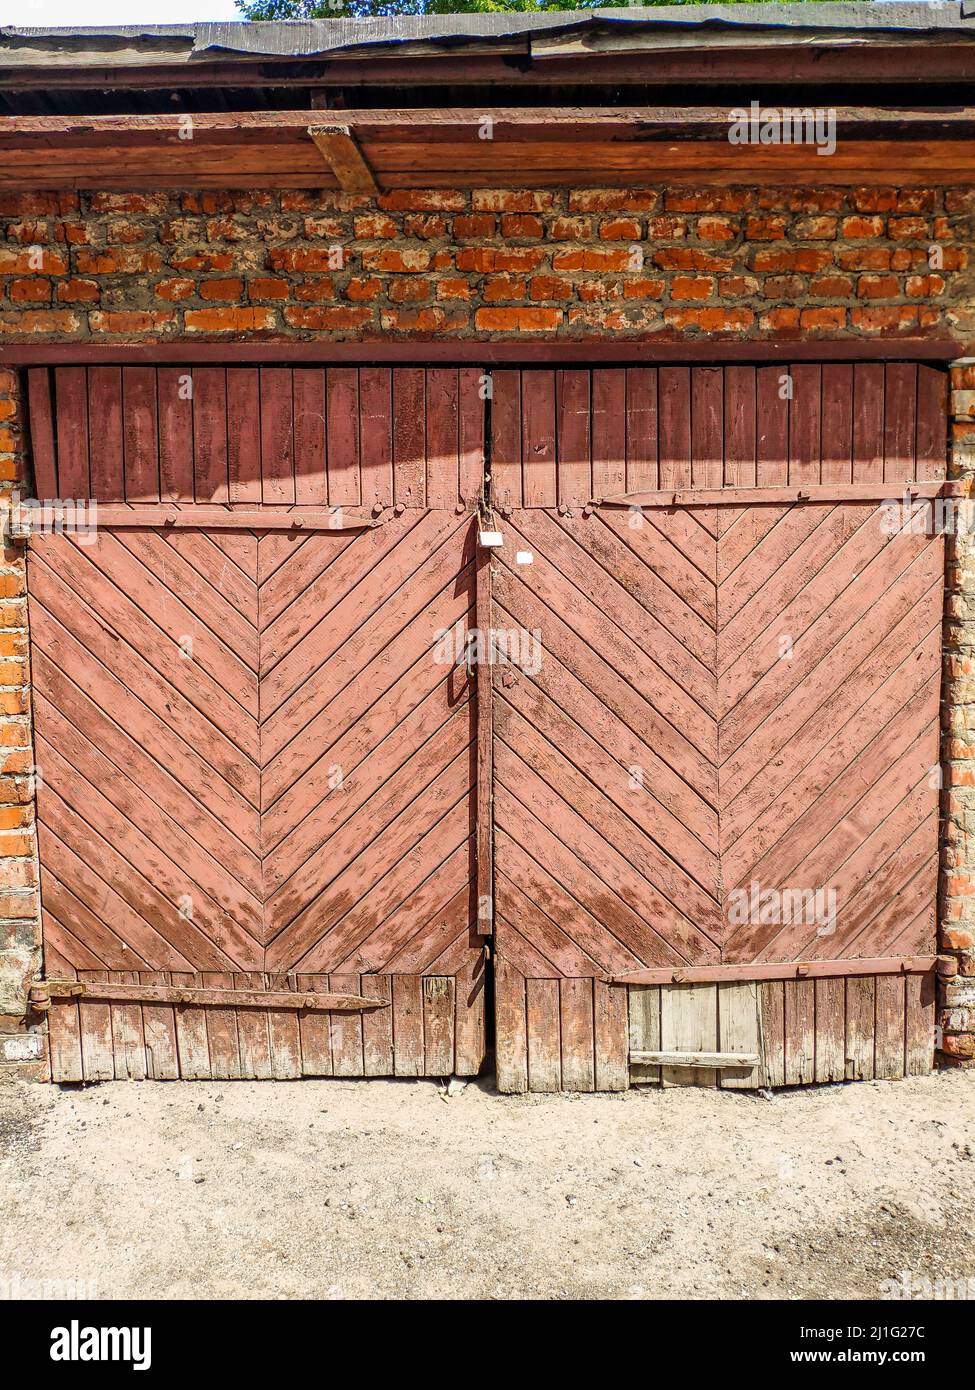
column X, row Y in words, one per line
column 652, row 25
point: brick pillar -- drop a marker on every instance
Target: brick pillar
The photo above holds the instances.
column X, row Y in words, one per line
column 956, row 1004
column 23, row 1038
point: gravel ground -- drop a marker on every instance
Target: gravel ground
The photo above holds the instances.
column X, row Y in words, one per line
column 402, row 1190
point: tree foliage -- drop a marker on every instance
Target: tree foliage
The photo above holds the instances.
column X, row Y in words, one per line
column 366, row 9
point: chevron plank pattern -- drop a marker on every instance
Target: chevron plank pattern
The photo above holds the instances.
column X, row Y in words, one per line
column 726, row 696
column 250, row 758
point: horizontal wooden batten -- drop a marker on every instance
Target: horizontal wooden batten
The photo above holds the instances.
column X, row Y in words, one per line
column 781, row 496
column 421, row 351
column 202, row 516
column 42, row 994
column 715, row 1060
column 792, row 970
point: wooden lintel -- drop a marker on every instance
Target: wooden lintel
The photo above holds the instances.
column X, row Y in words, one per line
column 41, row 995
column 343, row 156
column 764, row 970
column 695, row 1059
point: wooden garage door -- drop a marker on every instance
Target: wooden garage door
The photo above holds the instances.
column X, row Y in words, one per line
column 724, row 758
column 256, row 769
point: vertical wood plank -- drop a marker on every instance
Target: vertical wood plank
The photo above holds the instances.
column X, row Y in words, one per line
column 174, row 394
column 377, row 1028
column 253, row 1038
column 210, row 434
column 688, row 1023
column 544, row 1046
column 506, row 484
column 442, row 451
column 644, row 1030
column 611, row 1026
column 642, row 470
column 740, row 1030
column 314, row 1032
column 342, row 435
column 920, row 1001
column 890, row 1028
column 105, row 409
column 346, row 1029
column 159, row 1024
column 931, row 448
column 221, row 1026
column 538, row 438
column 577, row 1036
column 572, row 442
column 41, row 418
column 95, row 1022
column 674, row 405
column 868, row 422
column 741, row 426
column 830, row 1030
column 72, row 432
column 900, row 420
column 805, row 423
column 608, row 431
column 438, row 1025
column 65, row 1041
column 469, row 1031
column 409, row 437
column 140, row 434
column 277, row 436
column 192, row 1042
column 707, row 426
column 772, row 427
column 282, row 1027
column 470, row 430
column 244, row 435
column 837, row 446
column 772, row 995
column 800, row 1032
column 128, row 1036
column 407, row 1025
column 511, row 1029
column 860, row 992
column 376, row 436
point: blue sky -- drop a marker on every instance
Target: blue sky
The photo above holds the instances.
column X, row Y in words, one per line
column 41, row 13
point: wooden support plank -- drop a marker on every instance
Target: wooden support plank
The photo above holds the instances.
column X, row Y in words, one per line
column 572, row 438
column 174, row 393
column 868, row 422
column 277, row 436
column 772, row 427
column 642, row 471
column 707, row 426
column 221, row 1026
column 777, row 970
column 931, row 452
column 860, row 997
column 772, row 995
column 920, row 1003
column 438, row 1025
column 106, row 461
column 192, row 1041
column 95, row 1022
column 538, row 438
column 210, row 468
column 65, row 1041
column 484, row 788
column 740, row 1031
column 506, row 481
column 140, row 434
column 800, row 1032
column 890, row 1028
column 544, row 1045
column 442, row 445
column 377, row 1029
column 577, row 1036
column 644, row 1031
column 711, row 1061
column 285, row 1044
column 342, row 436
column 128, row 1035
column 376, row 436
column 608, row 431
column 341, row 152
column 830, row 1029
column 72, row 433
column 253, row 1038
column 315, row 1033
column 409, row 437
column 159, row 1024
column 42, row 433
column 469, row 1032
column 511, row 1029
column 612, row 1041
column 244, row 435
column 407, row 1025
column 688, row 1023
column 346, row 1031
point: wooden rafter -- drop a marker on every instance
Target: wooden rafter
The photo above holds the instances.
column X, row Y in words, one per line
column 341, row 153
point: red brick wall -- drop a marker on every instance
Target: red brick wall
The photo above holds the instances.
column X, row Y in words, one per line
column 488, row 263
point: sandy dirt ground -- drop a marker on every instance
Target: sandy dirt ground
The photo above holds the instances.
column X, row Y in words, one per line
column 378, row 1189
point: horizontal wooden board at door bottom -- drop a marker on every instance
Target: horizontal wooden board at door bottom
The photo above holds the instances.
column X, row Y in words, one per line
column 815, row 1031
column 434, row 1026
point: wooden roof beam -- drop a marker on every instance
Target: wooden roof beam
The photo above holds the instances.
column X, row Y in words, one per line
column 343, row 156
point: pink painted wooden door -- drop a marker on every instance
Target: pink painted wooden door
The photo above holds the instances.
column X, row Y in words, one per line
column 256, row 751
